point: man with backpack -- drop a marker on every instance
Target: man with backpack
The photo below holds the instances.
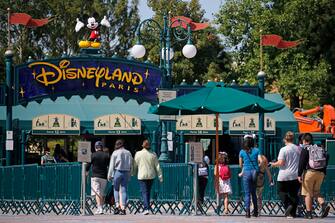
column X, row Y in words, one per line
column 47, row 158
column 312, row 170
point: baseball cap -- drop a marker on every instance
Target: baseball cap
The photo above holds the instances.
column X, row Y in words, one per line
column 98, row 144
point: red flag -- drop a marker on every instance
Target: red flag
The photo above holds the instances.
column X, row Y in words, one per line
column 26, row 20
column 278, row 42
column 183, row 21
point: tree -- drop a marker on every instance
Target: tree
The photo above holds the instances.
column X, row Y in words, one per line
column 58, row 35
column 207, row 42
column 310, row 66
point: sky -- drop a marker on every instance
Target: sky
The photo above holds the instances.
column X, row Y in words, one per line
column 210, row 6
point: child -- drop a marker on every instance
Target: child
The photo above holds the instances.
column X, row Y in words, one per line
column 224, row 178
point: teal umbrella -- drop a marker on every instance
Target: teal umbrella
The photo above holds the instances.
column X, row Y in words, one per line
column 215, row 99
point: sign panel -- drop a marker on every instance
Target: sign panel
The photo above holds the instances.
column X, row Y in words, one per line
column 9, row 135
column 117, row 124
column 249, row 123
column 80, row 76
column 169, row 138
column 163, row 96
column 198, row 124
column 10, row 145
column 84, row 151
column 58, row 124
column 196, row 152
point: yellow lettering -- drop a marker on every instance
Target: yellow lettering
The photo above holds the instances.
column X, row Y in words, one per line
column 107, row 77
column 127, row 76
column 117, row 74
column 90, row 72
column 64, row 64
column 98, row 75
column 137, row 79
column 71, row 73
column 111, row 85
column 52, row 74
column 81, row 73
column 47, row 78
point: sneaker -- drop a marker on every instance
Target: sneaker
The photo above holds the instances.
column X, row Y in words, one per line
column 122, row 212
column 289, row 217
column 99, row 211
column 247, row 214
column 308, row 215
column 145, row 212
column 255, row 214
column 116, row 211
column 325, row 210
column 288, row 210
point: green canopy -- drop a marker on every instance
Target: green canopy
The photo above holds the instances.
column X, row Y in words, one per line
column 217, row 99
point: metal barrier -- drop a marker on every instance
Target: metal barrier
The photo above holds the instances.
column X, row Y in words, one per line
column 33, row 189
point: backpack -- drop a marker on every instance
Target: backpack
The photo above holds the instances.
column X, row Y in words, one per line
column 48, row 159
column 224, row 172
column 317, row 157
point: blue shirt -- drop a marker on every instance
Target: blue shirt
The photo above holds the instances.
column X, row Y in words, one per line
column 253, row 157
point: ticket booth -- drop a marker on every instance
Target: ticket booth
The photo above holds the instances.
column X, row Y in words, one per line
column 49, row 130
column 114, row 126
column 201, row 128
column 242, row 124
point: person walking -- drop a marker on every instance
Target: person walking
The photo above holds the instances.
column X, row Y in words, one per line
column 203, row 178
column 120, row 166
column 263, row 169
column 147, row 168
column 249, row 161
column 224, row 179
column 99, row 163
column 288, row 184
column 312, row 170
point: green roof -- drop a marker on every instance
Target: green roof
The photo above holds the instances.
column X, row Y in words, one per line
column 89, row 108
column 86, row 109
column 283, row 115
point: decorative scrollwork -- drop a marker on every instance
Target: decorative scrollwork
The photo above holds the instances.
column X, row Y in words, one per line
column 151, row 26
column 180, row 32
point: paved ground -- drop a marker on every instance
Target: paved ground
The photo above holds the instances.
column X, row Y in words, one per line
column 149, row 219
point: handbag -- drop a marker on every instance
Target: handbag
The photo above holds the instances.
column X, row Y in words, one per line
column 203, row 172
column 258, row 177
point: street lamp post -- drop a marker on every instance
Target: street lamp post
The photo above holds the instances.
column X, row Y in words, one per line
column 166, row 55
column 261, row 135
column 9, row 98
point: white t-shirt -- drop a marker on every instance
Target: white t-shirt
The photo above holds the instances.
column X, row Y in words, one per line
column 291, row 155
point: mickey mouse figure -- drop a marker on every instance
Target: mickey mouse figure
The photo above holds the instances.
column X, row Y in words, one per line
column 94, row 37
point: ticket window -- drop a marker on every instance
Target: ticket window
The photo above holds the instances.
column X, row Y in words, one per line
column 227, row 143
column 132, row 142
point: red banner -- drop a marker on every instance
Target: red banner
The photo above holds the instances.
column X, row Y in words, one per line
column 183, row 21
column 26, row 20
column 278, row 42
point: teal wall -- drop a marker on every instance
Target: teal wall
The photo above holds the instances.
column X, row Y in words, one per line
column 89, row 108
